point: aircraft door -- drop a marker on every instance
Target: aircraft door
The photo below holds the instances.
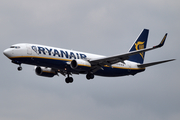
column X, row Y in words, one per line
column 29, row 52
column 129, row 67
column 12, row 51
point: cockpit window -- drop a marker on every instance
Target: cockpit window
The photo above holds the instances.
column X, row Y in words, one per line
column 15, row 47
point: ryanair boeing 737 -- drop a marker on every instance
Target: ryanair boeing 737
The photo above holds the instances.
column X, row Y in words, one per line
column 50, row 61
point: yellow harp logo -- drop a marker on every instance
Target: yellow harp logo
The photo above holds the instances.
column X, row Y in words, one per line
column 139, row 45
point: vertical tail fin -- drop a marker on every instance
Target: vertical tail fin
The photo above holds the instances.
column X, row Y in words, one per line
column 140, row 43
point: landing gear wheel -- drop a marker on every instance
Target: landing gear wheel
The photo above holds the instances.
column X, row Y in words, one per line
column 69, row 80
column 19, row 68
column 90, row 76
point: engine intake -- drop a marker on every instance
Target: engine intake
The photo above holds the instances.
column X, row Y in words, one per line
column 46, row 72
column 80, row 65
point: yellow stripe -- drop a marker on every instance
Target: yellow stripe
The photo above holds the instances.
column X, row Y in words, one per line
column 41, row 57
column 49, row 72
column 84, row 65
column 48, row 58
column 71, row 60
column 163, row 39
column 125, row 68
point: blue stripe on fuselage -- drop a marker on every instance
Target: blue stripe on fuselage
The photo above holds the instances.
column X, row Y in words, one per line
column 62, row 64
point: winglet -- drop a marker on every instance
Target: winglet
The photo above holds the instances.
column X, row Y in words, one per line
column 162, row 42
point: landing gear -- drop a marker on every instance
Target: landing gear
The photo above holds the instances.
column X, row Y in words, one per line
column 19, row 68
column 90, row 76
column 18, row 63
column 69, row 79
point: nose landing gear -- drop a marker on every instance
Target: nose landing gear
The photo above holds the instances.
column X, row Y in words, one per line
column 19, row 68
column 18, row 63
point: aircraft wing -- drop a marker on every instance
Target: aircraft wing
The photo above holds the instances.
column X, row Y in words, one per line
column 120, row 58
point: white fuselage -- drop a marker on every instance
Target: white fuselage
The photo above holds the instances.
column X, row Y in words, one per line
column 59, row 58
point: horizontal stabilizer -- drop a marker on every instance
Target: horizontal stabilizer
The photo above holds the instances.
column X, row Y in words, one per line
column 153, row 63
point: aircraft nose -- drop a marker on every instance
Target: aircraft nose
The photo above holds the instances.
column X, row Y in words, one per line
column 7, row 52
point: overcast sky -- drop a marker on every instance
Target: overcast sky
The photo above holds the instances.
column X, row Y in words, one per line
column 106, row 27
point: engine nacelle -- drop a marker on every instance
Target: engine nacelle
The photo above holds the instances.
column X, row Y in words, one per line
column 46, row 72
column 80, row 65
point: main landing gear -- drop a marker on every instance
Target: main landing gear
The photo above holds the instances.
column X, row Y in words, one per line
column 69, row 79
column 90, row 76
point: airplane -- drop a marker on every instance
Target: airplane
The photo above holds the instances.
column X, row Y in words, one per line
column 50, row 61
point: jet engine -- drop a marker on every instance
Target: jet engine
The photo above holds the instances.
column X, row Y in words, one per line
column 46, row 72
column 80, row 65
